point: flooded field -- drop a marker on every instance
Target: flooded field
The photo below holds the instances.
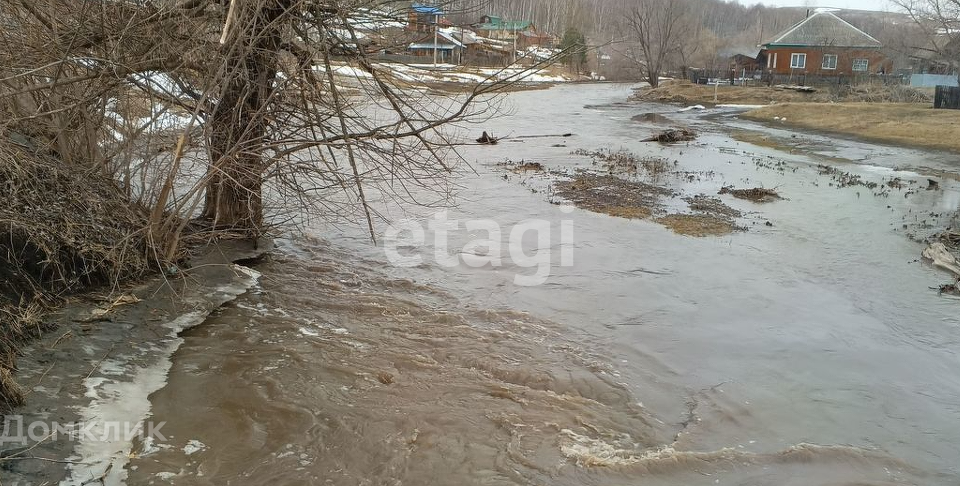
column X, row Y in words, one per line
column 806, row 347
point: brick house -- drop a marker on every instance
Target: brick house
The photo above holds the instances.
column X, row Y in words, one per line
column 824, row 45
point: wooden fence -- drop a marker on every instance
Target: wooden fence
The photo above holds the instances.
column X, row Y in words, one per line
column 766, row 78
column 947, row 97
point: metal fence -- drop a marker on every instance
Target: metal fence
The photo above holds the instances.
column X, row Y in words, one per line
column 947, row 97
column 932, row 80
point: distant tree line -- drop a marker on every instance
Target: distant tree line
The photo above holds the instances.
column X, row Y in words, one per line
column 701, row 33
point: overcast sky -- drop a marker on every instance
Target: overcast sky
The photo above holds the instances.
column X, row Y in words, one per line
column 856, row 4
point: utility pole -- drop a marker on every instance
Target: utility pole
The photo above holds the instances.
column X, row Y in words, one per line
column 436, row 36
column 514, row 43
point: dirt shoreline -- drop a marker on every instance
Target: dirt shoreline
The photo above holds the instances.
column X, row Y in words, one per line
column 905, row 124
column 91, row 370
column 688, row 93
column 895, row 115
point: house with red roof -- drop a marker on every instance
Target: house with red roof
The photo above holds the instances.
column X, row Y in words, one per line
column 823, row 44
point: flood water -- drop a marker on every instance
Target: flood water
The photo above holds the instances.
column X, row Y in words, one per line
column 812, row 351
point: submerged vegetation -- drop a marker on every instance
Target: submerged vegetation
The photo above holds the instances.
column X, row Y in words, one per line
column 624, row 185
column 609, row 194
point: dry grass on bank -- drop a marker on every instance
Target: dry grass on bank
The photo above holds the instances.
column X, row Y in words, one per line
column 909, row 124
column 699, row 225
column 689, row 93
column 63, row 228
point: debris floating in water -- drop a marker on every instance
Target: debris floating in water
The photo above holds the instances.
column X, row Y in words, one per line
column 756, row 194
column 672, row 135
column 940, row 256
column 522, row 166
column 487, row 139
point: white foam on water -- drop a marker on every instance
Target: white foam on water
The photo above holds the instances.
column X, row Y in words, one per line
column 193, row 446
column 104, row 452
column 309, row 332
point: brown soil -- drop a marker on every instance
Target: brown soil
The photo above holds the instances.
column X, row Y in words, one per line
column 908, row 124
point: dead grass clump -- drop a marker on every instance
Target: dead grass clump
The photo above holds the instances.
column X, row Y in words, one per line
column 62, row 228
column 756, row 194
column 711, row 205
column 518, row 167
column 697, row 224
column 611, row 195
column 528, row 166
column 619, row 162
column 655, row 165
column 672, row 135
column 884, row 93
column 688, row 93
column 627, row 212
column 711, row 217
column 949, row 237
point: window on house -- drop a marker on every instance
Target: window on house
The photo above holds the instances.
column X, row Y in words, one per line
column 798, row 60
column 860, row 64
column 829, row 61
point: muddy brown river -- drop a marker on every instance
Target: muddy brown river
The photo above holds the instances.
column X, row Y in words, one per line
column 809, row 352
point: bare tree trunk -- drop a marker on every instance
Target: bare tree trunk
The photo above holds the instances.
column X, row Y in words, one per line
column 234, row 197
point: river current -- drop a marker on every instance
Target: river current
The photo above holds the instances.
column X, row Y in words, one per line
column 808, row 351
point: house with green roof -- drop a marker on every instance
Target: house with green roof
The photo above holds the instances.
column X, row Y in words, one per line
column 506, row 30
